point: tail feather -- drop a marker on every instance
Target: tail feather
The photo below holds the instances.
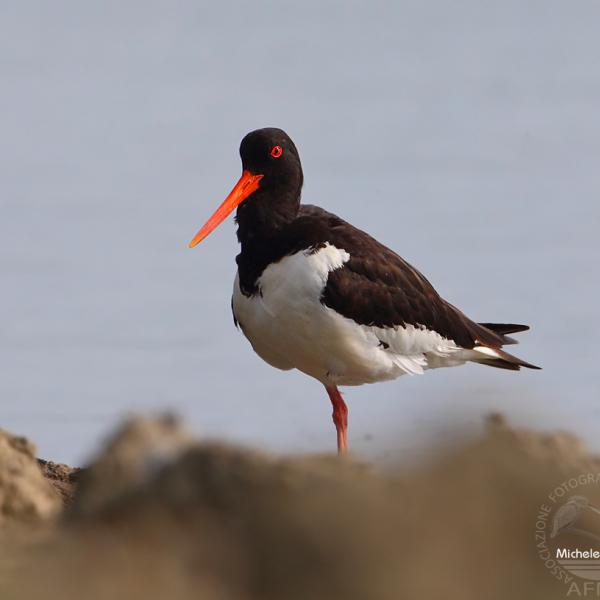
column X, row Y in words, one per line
column 488, row 339
column 498, row 364
column 496, row 357
column 502, row 329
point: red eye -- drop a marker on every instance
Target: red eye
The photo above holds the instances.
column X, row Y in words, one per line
column 276, row 151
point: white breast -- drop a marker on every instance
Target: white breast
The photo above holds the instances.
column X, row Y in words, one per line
column 289, row 327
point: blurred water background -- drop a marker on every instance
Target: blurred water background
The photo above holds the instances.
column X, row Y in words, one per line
column 465, row 135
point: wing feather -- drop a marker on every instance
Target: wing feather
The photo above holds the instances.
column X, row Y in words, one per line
column 377, row 287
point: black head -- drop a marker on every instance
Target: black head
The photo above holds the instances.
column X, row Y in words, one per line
column 271, row 153
column 267, row 196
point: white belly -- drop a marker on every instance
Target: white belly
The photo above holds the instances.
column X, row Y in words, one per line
column 289, row 327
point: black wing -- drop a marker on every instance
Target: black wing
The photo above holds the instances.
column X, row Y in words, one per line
column 377, row 287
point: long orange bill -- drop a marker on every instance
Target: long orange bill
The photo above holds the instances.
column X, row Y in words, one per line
column 247, row 185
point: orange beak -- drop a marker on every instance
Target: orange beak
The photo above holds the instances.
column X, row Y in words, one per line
column 247, row 185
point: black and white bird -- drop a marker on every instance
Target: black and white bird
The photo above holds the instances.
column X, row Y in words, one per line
column 314, row 293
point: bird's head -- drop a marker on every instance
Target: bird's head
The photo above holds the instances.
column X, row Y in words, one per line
column 270, row 185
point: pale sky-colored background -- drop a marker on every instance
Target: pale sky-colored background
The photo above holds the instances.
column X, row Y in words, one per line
column 465, row 135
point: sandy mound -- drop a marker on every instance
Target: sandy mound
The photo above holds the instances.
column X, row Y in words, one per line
column 25, row 495
column 158, row 515
column 62, row 477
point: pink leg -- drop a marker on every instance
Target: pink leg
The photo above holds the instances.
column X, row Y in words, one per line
column 340, row 417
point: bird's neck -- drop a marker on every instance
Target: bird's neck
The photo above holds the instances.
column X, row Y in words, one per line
column 265, row 214
column 263, row 221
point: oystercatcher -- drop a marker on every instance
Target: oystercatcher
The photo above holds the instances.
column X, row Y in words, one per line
column 314, row 293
